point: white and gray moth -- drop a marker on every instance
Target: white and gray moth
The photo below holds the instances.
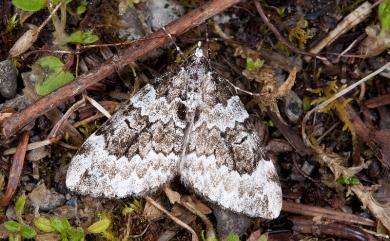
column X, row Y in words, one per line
column 187, row 125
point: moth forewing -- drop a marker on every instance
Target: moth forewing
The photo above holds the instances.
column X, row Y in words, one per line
column 189, row 125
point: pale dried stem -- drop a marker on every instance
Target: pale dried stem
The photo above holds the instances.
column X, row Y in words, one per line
column 31, row 146
column 210, row 232
column 350, row 21
column 57, row 128
column 98, row 106
column 175, row 219
column 48, row 18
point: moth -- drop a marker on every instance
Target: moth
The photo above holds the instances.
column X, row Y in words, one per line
column 188, row 124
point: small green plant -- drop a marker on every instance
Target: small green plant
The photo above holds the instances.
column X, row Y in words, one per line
column 132, row 3
column 254, row 64
column 233, row 237
column 19, row 207
column 102, row 227
column 51, row 75
column 59, row 23
column 29, row 5
column 82, row 7
column 135, row 206
column 384, row 16
column 11, row 23
column 203, row 237
column 281, row 11
column 88, row 128
column 263, row 237
column 348, row 181
column 17, row 229
column 61, row 226
column 300, row 33
column 306, row 103
column 80, row 37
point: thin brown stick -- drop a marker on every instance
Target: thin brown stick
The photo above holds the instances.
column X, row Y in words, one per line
column 175, row 219
column 312, row 211
column 16, row 169
column 58, row 126
column 153, row 41
column 276, row 32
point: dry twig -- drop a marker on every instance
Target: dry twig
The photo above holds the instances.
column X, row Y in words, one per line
column 153, row 41
column 313, row 211
column 176, row 220
column 16, row 169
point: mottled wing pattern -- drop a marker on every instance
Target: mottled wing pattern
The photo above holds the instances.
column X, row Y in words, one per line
column 136, row 151
column 189, row 125
column 224, row 160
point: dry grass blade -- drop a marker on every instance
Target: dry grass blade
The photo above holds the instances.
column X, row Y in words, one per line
column 98, row 106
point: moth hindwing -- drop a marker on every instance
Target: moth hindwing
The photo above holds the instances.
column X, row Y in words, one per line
column 189, row 125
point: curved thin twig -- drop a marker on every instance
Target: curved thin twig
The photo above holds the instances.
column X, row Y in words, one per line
column 175, row 219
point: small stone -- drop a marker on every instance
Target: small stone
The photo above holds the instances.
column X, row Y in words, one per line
column 45, row 199
column 138, row 22
column 8, row 81
column 10, row 213
column 293, row 106
column 162, row 12
column 37, row 154
column 229, row 222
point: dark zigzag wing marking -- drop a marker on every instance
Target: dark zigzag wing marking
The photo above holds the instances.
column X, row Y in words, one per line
column 134, row 153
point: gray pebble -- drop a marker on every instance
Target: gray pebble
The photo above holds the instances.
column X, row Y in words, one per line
column 229, row 222
column 45, row 199
column 8, row 82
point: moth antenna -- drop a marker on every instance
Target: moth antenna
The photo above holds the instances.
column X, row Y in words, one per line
column 172, row 39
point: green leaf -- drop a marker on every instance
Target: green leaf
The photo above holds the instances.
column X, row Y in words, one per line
column 50, row 62
column 60, row 224
column 384, row 15
column 12, row 226
column 11, row 23
column 27, row 232
column 306, row 103
column 29, row 5
column 263, row 237
column 232, row 237
column 101, row 225
column 53, row 82
column 82, row 37
column 53, row 76
column 75, row 234
column 82, row 7
column 19, row 205
column 11, row 237
column 281, row 11
column 252, row 65
column 348, row 181
column 43, row 224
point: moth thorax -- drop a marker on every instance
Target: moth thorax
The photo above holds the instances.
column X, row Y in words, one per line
column 194, row 98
